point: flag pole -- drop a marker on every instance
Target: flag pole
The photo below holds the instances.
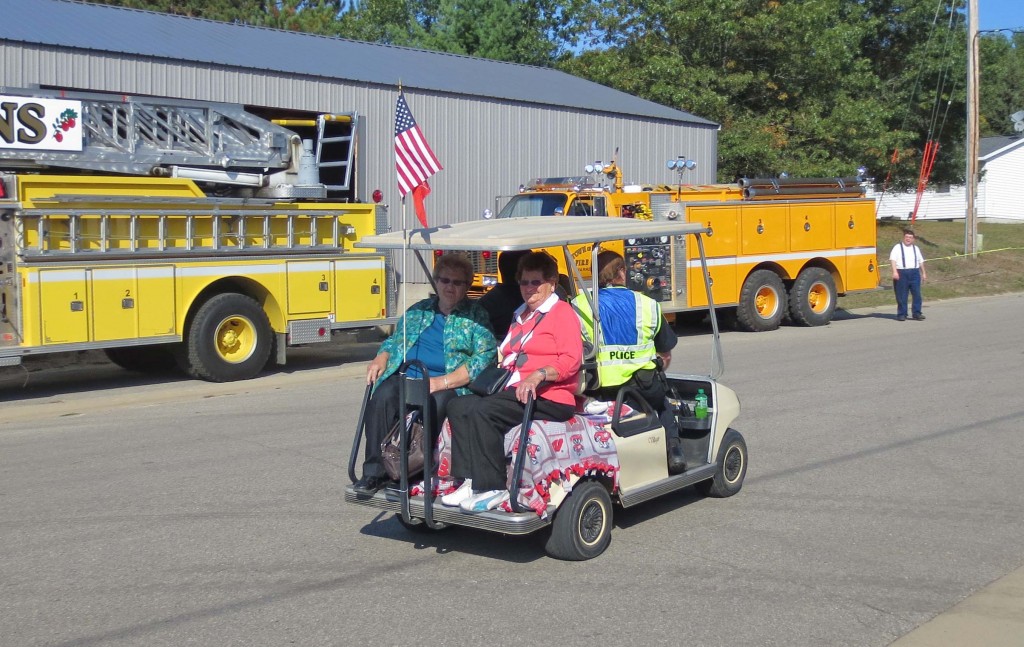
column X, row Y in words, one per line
column 415, row 162
column 405, row 261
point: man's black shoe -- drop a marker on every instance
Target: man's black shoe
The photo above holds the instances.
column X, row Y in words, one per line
column 370, row 484
column 901, row 318
column 676, row 459
column 918, row 317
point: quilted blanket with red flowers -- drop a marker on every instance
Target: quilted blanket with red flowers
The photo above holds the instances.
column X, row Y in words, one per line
column 559, row 454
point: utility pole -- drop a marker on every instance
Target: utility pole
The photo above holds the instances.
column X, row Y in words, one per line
column 971, row 224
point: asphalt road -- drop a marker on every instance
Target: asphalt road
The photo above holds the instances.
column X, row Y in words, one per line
column 884, row 488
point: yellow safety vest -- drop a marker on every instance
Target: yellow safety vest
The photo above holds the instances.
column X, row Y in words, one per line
column 629, row 322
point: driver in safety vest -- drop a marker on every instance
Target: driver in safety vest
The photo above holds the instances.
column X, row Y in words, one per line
column 634, row 336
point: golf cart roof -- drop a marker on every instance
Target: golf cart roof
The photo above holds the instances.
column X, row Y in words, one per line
column 509, row 234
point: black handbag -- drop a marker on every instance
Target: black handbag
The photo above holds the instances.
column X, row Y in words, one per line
column 391, row 452
column 493, row 379
column 490, row 380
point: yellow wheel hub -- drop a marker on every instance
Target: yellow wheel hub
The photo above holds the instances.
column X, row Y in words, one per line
column 818, row 298
column 766, row 302
column 236, row 339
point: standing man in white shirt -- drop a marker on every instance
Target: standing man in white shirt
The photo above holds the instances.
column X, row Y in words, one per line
column 907, row 275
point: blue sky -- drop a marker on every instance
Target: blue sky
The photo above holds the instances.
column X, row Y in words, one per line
column 1000, row 14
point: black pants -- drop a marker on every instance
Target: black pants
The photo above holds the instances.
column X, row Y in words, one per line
column 651, row 388
column 382, row 413
column 647, row 384
column 479, row 425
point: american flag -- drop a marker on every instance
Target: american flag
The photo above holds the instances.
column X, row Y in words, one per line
column 414, row 160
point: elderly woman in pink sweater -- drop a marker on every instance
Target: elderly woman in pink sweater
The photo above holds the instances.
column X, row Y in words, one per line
column 544, row 349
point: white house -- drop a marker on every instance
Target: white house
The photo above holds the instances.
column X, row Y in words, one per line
column 1002, row 164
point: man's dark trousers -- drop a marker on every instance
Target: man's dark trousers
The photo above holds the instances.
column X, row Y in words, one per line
column 908, row 283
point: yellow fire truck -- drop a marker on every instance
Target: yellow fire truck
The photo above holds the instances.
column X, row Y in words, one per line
column 166, row 231
column 777, row 247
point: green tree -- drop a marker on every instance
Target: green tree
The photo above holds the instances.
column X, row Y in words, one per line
column 1002, row 82
column 533, row 32
column 811, row 87
column 311, row 16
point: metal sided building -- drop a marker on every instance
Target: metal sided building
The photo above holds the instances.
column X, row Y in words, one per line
column 493, row 125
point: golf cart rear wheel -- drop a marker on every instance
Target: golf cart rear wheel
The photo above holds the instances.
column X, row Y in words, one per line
column 582, row 528
column 732, row 467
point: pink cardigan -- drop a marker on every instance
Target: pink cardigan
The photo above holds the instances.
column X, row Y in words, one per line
column 557, row 341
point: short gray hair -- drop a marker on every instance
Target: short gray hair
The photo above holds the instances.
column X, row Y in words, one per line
column 454, row 261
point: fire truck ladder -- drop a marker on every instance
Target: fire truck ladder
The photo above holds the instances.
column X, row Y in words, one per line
column 327, row 139
column 119, row 226
column 148, row 136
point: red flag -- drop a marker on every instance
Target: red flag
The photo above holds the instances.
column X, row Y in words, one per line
column 414, row 160
column 418, row 193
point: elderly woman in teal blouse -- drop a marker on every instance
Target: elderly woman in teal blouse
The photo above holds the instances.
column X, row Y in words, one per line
column 450, row 335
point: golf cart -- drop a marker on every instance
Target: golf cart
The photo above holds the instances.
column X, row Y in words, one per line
column 571, row 473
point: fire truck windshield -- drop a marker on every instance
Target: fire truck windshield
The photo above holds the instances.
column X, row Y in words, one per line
column 534, row 204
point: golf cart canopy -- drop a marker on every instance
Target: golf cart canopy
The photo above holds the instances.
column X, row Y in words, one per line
column 510, row 234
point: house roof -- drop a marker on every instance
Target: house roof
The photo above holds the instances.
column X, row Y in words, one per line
column 989, row 147
column 64, row 23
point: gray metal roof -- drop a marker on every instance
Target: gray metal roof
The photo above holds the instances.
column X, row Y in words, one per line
column 989, row 145
column 62, row 23
column 508, row 234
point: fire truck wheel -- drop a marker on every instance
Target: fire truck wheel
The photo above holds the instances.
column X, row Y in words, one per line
column 732, row 467
column 143, row 359
column 762, row 302
column 229, row 339
column 582, row 528
column 812, row 299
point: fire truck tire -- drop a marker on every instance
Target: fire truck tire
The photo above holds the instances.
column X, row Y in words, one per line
column 732, row 467
column 229, row 339
column 582, row 527
column 143, row 359
column 812, row 299
column 762, row 302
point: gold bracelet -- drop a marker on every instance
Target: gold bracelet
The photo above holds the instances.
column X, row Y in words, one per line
column 445, row 382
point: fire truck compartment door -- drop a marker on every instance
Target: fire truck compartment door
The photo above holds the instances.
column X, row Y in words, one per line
column 763, row 229
column 309, row 287
column 132, row 302
column 810, row 227
column 855, row 224
column 63, row 300
column 361, row 294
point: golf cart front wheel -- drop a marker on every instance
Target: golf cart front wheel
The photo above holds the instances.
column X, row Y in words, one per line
column 582, row 528
column 732, row 467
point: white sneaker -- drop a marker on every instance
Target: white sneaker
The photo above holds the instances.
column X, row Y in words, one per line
column 486, row 500
column 453, row 499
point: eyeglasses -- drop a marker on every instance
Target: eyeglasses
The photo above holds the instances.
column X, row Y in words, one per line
column 459, row 283
column 535, row 282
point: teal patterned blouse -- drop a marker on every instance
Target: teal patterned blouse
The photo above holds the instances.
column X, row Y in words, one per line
column 467, row 338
